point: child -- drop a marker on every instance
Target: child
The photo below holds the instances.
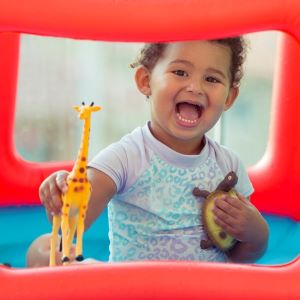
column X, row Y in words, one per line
column 147, row 178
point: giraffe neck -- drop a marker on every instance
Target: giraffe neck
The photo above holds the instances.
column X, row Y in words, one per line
column 82, row 157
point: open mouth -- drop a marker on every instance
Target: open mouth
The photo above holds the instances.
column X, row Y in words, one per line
column 189, row 113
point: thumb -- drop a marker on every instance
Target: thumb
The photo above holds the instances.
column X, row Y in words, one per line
column 61, row 181
column 242, row 198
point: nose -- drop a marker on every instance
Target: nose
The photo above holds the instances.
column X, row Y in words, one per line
column 194, row 87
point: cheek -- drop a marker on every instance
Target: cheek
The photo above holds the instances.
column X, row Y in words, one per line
column 160, row 108
column 218, row 97
column 217, row 111
column 156, row 105
column 161, row 85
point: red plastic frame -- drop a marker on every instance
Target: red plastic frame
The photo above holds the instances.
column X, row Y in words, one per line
column 276, row 177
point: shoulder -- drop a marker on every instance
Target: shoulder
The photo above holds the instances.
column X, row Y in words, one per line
column 123, row 160
column 228, row 160
column 133, row 142
column 224, row 156
column 129, row 145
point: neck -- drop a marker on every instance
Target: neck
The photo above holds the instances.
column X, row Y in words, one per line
column 186, row 147
column 84, row 146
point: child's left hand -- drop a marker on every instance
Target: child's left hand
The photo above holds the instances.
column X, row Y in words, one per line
column 238, row 217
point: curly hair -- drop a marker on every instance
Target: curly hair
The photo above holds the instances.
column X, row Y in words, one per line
column 151, row 52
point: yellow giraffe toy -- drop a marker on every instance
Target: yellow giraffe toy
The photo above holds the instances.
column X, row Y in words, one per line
column 75, row 200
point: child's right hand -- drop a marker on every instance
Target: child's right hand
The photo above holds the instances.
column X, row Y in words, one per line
column 51, row 189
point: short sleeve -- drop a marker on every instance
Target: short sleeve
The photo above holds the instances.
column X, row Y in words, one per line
column 228, row 161
column 124, row 160
column 113, row 162
column 244, row 185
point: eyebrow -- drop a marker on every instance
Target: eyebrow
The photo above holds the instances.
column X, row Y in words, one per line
column 214, row 70
column 180, row 61
column 186, row 62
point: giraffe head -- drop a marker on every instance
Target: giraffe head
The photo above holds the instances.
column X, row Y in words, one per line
column 86, row 110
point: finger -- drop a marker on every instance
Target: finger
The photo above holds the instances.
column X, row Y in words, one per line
column 226, row 227
column 45, row 198
column 43, row 193
column 49, row 208
column 225, row 205
column 242, row 198
column 232, row 201
column 54, row 197
column 61, row 181
column 224, row 217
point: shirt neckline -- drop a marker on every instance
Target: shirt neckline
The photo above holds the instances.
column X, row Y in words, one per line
column 170, row 155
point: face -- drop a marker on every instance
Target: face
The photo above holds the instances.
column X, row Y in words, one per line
column 189, row 88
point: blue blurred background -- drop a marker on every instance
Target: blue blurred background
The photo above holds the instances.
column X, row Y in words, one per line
column 21, row 225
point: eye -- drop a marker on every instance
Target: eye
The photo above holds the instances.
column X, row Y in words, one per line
column 212, row 79
column 180, row 73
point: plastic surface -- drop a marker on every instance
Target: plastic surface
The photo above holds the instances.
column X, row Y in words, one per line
column 153, row 280
column 276, row 177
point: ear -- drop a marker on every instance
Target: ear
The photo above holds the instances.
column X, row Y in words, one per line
column 232, row 95
column 77, row 108
column 96, row 108
column 142, row 80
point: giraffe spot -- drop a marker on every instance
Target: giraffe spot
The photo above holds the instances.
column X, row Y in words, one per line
column 222, row 235
column 86, row 180
column 81, row 170
column 81, row 187
column 67, row 205
column 83, row 158
column 66, row 214
column 83, row 216
column 84, row 206
column 81, row 180
column 74, row 179
column 75, row 189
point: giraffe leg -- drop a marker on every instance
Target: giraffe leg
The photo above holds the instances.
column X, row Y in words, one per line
column 65, row 229
column 80, row 229
column 55, row 229
column 73, row 226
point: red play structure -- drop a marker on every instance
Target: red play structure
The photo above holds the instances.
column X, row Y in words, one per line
column 276, row 177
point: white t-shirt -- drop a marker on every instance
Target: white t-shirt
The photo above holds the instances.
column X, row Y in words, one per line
column 154, row 215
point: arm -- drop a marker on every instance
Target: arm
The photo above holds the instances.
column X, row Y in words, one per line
column 243, row 221
column 103, row 189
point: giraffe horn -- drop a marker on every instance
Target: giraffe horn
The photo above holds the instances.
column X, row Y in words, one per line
column 83, row 103
column 92, row 104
